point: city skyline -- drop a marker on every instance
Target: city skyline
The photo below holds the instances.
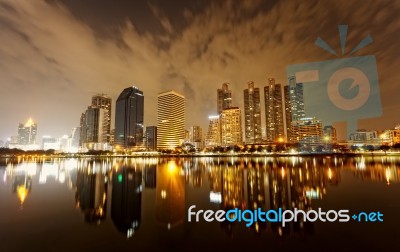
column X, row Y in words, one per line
column 70, row 55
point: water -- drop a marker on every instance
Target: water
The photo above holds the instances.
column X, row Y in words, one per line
column 141, row 204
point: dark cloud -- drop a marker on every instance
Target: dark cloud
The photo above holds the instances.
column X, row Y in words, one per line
column 62, row 52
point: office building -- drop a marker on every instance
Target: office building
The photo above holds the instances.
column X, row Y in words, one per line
column 196, row 136
column 27, row 133
column 170, row 120
column 224, row 98
column 151, row 138
column 104, row 102
column 252, row 114
column 94, row 127
column 307, row 131
column 231, row 126
column 213, row 137
column 274, row 117
column 129, row 115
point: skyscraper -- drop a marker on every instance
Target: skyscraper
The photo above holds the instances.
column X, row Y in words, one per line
column 213, row 137
column 196, row 136
column 288, row 114
column 151, row 138
column 27, row 133
column 296, row 99
column 294, row 106
column 104, row 102
column 170, row 119
column 252, row 114
column 94, row 127
column 129, row 113
column 231, row 126
column 274, row 112
column 224, row 98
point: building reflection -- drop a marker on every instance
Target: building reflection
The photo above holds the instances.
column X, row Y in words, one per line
column 150, row 176
column 271, row 184
column 255, row 191
column 91, row 193
column 376, row 169
column 126, row 200
column 170, row 194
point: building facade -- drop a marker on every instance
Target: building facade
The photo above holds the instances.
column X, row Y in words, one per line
column 196, row 136
column 224, row 98
column 252, row 114
column 213, row 137
column 104, row 102
column 129, row 116
column 151, row 138
column 170, row 119
column 307, row 131
column 274, row 117
column 27, row 133
column 231, row 126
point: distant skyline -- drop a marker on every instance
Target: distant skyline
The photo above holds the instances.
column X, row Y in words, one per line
column 55, row 55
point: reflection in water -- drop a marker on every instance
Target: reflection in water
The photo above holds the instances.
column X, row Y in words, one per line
column 22, row 185
column 245, row 183
column 170, row 194
column 126, row 200
column 91, row 193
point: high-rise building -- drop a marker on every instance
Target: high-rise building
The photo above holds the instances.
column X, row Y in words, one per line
column 252, row 114
column 27, row 133
column 296, row 97
column 129, row 113
column 231, row 126
column 274, row 112
column 94, row 126
column 170, row 120
column 151, row 138
column 104, row 102
column 288, row 114
column 307, row 131
column 224, row 98
column 213, row 137
column 196, row 136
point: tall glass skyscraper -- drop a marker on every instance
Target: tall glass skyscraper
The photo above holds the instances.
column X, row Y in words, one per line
column 170, row 120
column 252, row 114
column 129, row 111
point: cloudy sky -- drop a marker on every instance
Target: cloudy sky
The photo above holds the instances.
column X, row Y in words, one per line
column 54, row 55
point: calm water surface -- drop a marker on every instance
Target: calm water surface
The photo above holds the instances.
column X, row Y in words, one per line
column 139, row 204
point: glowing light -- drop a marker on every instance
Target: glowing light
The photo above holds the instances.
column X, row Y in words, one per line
column 163, row 194
column 329, row 173
column 22, row 193
column 171, row 167
column 29, row 123
column 280, row 139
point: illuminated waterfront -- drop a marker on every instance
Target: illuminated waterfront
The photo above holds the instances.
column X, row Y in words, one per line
column 141, row 203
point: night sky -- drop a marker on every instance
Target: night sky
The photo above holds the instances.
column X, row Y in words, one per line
column 54, row 55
